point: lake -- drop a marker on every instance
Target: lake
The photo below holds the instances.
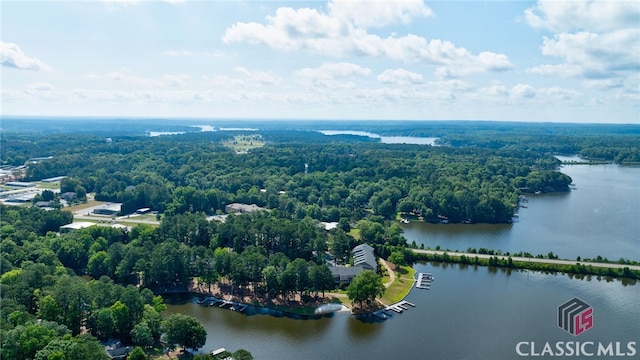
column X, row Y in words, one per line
column 601, row 217
column 386, row 139
column 469, row 313
column 477, row 312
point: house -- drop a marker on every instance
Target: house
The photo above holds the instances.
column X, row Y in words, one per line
column 238, row 208
column 68, row 196
column 363, row 256
column 343, row 275
column 20, row 184
column 43, row 204
column 75, row 226
column 109, row 209
column 115, row 349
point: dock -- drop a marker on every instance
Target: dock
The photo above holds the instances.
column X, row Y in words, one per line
column 424, row 281
column 224, row 304
column 400, row 306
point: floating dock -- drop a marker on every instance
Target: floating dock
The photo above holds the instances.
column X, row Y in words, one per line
column 225, row 304
column 424, row 281
column 399, row 307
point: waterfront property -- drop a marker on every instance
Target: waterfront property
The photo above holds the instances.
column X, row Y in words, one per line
column 363, row 259
column 363, row 256
column 343, row 275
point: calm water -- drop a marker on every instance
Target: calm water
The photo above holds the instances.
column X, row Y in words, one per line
column 386, row 139
column 469, row 313
column 477, row 313
column 601, row 217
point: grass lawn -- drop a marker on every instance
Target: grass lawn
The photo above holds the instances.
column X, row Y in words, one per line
column 400, row 287
column 86, row 205
column 243, row 143
column 50, row 186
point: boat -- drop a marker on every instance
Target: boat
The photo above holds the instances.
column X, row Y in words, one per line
column 404, row 221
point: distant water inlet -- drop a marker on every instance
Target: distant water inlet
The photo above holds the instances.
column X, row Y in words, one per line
column 327, row 309
column 386, row 139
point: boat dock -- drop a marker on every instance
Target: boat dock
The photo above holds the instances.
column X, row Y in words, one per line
column 400, row 307
column 387, row 312
column 424, row 281
column 225, row 304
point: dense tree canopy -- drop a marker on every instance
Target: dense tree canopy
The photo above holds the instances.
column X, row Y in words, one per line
column 301, row 178
column 185, row 331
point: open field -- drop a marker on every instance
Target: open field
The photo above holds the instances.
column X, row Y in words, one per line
column 400, row 286
column 48, row 185
column 244, row 143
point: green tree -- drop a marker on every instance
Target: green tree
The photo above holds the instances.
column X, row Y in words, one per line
column 141, row 335
column 98, row 264
column 242, row 354
column 137, row 354
column 48, row 309
column 121, row 319
column 397, row 258
column 185, row 331
column 104, row 325
column 365, row 287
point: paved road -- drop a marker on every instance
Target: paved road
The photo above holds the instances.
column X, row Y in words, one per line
column 526, row 259
column 118, row 220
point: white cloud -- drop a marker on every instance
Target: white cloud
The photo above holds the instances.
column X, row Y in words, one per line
column 247, row 78
column 331, row 75
column 11, row 55
column 597, row 15
column 338, row 35
column 129, row 78
column 258, row 77
column 400, row 76
column 595, row 40
column 378, row 13
column 523, row 91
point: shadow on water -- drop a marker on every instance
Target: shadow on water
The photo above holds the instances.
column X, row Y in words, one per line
column 363, row 327
column 178, row 299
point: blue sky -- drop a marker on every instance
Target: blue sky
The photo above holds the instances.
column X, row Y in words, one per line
column 559, row 61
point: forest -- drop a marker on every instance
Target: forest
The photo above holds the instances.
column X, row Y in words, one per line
column 67, row 291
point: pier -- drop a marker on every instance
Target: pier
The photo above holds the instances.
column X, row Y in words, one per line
column 400, row 306
column 224, row 304
column 424, row 281
column 389, row 311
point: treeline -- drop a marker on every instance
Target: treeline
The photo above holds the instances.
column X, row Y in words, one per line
column 508, row 262
column 194, row 172
column 616, row 148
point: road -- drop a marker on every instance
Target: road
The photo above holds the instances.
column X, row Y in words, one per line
column 119, row 220
column 526, row 259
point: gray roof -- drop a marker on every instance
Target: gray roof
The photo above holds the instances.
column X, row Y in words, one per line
column 344, row 271
column 363, row 255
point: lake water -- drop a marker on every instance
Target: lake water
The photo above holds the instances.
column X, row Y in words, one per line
column 477, row 312
column 601, row 217
column 469, row 313
column 386, row 139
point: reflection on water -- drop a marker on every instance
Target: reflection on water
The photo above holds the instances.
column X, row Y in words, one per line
column 599, row 218
column 467, row 309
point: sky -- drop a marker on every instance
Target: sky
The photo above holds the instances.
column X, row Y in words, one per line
column 545, row 61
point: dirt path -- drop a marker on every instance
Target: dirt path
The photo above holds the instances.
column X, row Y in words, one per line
column 392, row 274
